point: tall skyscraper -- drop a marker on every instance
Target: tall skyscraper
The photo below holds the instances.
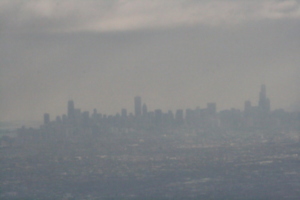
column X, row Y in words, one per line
column 262, row 96
column 46, row 118
column 138, row 106
column 71, row 110
column 264, row 102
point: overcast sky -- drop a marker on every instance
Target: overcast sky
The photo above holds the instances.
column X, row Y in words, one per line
column 173, row 53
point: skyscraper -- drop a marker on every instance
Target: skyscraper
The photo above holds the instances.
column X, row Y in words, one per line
column 124, row 113
column 138, row 106
column 262, row 96
column 71, row 110
column 179, row 117
column 211, row 108
column 264, row 102
column 247, row 108
column 158, row 116
column 46, row 118
column 145, row 110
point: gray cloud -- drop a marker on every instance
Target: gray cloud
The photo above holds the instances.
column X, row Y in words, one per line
column 120, row 15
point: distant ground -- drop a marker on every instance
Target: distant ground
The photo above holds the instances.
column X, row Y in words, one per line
column 143, row 166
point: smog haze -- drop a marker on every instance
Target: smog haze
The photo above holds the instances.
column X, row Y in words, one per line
column 174, row 54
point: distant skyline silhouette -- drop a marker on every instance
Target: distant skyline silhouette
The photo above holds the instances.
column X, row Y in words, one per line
column 172, row 54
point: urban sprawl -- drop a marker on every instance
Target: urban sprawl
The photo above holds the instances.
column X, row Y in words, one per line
column 191, row 154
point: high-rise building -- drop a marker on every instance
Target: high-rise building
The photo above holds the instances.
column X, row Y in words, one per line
column 138, row 106
column 71, row 110
column 262, row 96
column 46, row 118
column 158, row 116
column 64, row 118
column 144, row 110
column 58, row 119
column 95, row 114
column 247, row 108
column 264, row 102
column 179, row 117
column 85, row 118
column 124, row 113
column 211, row 108
column 189, row 115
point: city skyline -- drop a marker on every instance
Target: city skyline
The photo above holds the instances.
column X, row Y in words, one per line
column 139, row 106
column 172, row 53
column 263, row 105
column 149, row 99
column 257, row 117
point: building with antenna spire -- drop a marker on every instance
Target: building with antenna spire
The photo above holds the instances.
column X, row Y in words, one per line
column 264, row 102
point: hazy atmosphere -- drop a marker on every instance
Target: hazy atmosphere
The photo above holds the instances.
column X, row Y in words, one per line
column 149, row 99
column 172, row 53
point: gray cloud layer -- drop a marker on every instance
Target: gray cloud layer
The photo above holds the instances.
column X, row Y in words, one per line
column 175, row 54
column 120, row 15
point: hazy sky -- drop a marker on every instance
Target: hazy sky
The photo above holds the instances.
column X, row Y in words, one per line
column 173, row 53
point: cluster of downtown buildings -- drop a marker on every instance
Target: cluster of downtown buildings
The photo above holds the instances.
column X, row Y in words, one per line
column 206, row 120
column 64, row 154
